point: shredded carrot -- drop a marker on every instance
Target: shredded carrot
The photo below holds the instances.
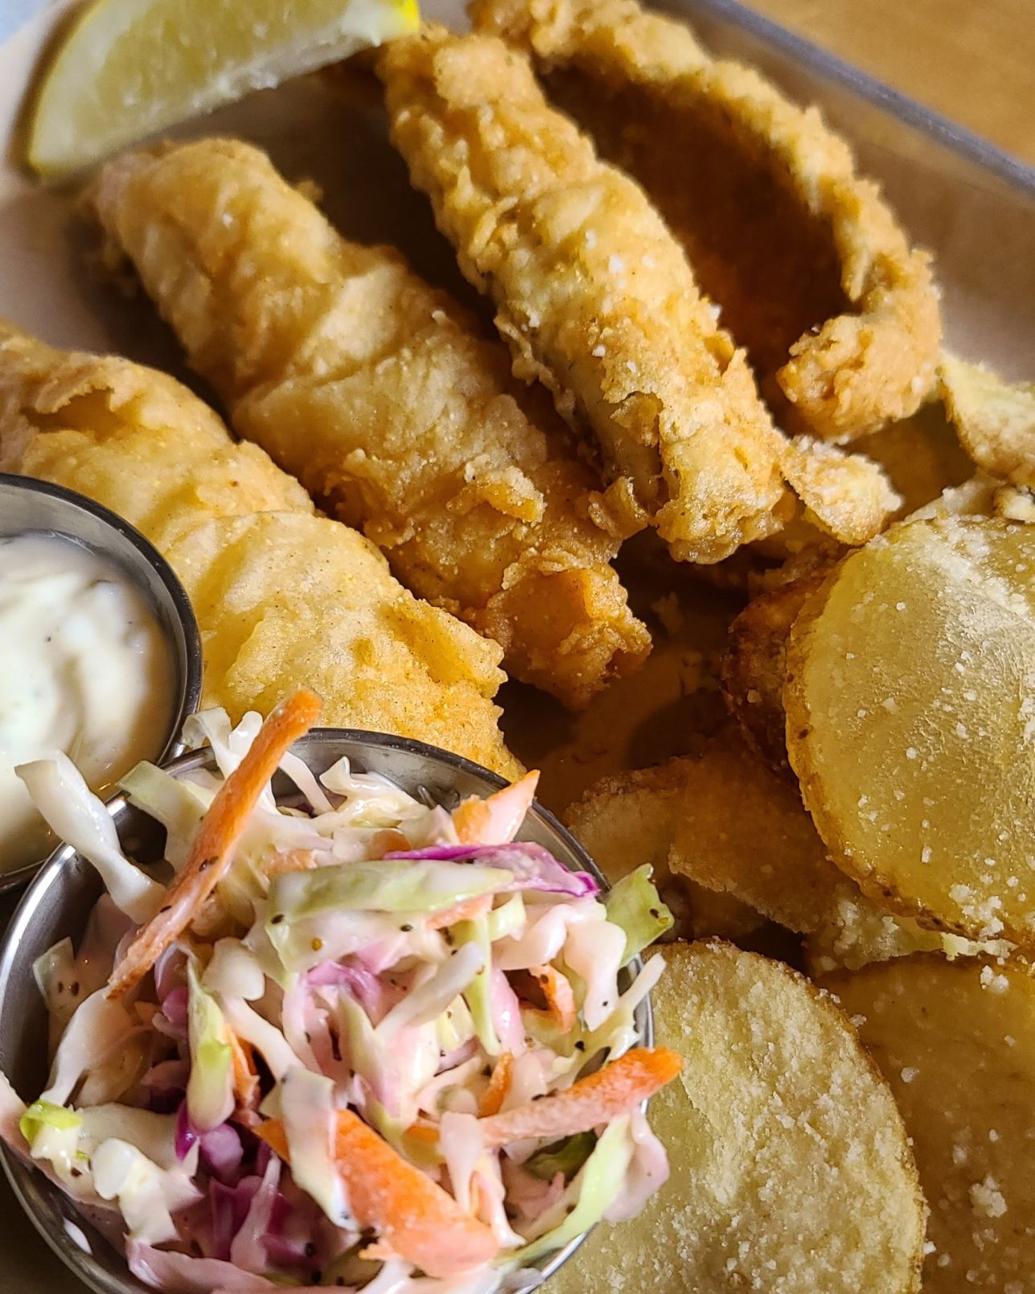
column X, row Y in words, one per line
column 560, row 999
column 246, row 1077
column 589, row 1102
column 426, row 1133
column 212, row 850
column 466, row 910
column 499, row 1085
column 495, row 820
column 412, row 1215
column 272, row 1132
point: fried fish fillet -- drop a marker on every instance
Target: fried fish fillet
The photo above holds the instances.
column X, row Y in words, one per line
column 592, row 292
column 376, row 392
column 283, row 598
column 814, row 275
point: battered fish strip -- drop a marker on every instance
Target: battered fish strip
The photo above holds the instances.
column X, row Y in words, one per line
column 593, row 293
column 813, row 273
column 283, row 598
column 375, row 390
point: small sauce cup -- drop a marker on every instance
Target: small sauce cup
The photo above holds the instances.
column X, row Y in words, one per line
column 28, row 506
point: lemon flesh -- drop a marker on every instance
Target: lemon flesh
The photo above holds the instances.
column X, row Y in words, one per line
column 128, row 68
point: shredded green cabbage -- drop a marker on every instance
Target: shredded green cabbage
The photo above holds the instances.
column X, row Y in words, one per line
column 565, row 1157
column 477, row 994
column 635, row 906
column 210, row 1092
column 593, row 1191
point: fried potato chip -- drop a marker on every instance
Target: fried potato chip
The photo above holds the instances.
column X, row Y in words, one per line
column 742, row 830
column 791, row 1173
column 910, row 700
column 628, row 820
column 754, row 667
column 981, row 496
column 995, row 421
column 956, row 1042
column 284, row 599
column 858, row 933
column 846, row 496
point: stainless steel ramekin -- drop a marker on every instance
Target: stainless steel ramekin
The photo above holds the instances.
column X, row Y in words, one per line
column 28, row 506
column 59, row 901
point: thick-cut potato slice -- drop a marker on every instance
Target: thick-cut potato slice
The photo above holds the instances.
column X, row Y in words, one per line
column 994, row 420
column 956, row 1041
column 910, row 700
column 755, row 664
column 628, row 820
column 859, row 933
column 790, row 1169
column 742, row 830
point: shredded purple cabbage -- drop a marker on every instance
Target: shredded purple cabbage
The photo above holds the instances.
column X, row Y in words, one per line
column 534, row 867
column 185, row 1133
column 222, row 1151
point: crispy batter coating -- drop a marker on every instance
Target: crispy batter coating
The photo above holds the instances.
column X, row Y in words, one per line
column 859, row 933
column 790, row 1170
column 132, row 438
column 283, row 598
column 813, row 273
column 375, row 390
column 845, row 496
column 995, row 420
column 592, row 292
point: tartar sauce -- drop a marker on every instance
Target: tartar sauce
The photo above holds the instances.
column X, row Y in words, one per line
column 84, row 668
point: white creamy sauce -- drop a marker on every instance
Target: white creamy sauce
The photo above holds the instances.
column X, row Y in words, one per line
column 84, row 668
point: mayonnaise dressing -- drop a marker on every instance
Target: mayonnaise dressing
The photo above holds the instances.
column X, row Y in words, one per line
column 84, row 668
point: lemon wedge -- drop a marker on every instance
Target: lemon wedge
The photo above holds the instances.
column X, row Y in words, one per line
column 127, row 68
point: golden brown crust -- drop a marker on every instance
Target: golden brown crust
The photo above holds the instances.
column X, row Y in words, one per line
column 284, row 599
column 813, row 273
column 593, row 294
column 741, row 829
column 375, row 390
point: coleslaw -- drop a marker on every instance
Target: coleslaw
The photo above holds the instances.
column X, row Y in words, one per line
column 356, row 1041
